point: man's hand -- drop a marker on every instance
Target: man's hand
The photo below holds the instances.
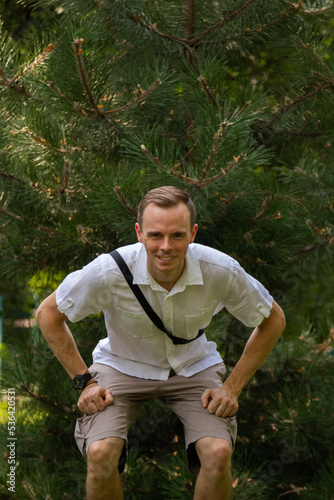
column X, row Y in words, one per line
column 94, row 398
column 221, row 401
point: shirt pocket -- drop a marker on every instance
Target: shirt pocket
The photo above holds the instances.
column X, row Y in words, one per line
column 138, row 325
column 197, row 321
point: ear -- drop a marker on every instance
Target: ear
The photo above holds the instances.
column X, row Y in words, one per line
column 193, row 233
column 138, row 231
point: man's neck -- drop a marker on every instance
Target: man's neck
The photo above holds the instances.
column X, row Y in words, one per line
column 166, row 281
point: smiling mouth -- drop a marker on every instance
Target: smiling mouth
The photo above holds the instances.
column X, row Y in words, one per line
column 165, row 259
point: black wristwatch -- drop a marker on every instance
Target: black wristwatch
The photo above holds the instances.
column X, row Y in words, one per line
column 80, row 381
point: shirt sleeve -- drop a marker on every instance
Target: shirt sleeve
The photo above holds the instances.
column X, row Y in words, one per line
column 83, row 292
column 247, row 299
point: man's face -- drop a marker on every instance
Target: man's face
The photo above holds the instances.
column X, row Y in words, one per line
column 166, row 234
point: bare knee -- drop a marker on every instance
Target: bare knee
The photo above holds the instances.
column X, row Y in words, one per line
column 215, row 455
column 105, row 453
column 103, row 480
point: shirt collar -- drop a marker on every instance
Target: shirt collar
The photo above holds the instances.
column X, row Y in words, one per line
column 192, row 274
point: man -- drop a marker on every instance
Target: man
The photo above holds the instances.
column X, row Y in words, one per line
column 186, row 284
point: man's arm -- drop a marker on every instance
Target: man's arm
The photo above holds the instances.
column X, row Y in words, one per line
column 52, row 324
column 57, row 334
column 224, row 400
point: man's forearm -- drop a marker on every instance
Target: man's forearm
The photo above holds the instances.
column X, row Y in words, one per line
column 258, row 347
column 59, row 337
column 63, row 347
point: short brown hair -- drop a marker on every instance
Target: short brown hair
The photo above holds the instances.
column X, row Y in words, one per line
column 167, row 196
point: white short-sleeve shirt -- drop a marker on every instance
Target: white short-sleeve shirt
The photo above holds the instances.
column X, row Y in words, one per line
column 211, row 281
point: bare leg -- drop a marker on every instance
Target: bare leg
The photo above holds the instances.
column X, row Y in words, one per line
column 214, row 481
column 103, row 479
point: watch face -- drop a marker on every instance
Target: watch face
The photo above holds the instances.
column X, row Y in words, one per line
column 80, row 381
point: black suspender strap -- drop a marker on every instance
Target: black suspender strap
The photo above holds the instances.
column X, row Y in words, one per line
column 143, row 302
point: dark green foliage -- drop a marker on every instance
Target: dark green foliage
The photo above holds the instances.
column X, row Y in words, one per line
column 233, row 101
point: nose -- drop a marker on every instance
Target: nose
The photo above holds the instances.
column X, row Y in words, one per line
column 166, row 244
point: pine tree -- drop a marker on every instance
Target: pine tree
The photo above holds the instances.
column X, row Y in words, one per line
column 232, row 101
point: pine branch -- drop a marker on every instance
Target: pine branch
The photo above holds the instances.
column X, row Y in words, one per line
column 220, row 23
column 202, row 180
column 294, row 132
column 46, row 399
column 11, row 215
column 301, row 98
column 295, row 8
column 39, row 140
column 329, row 83
column 318, row 232
column 236, row 160
column 98, row 108
column 322, row 77
column 184, row 178
column 155, row 159
column 192, row 40
column 312, row 177
column 249, row 237
column 307, row 47
column 11, row 83
column 26, row 220
column 318, row 11
column 124, row 201
column 121, row 56
column 216, row 141
column 317, row 246
column 265, row 204
column 83, row 111
column 144, row 94
column 77, row 107
column 52, row 86
column 232, row 197
column 207, row 90
column 66, row 175
column 36, row 185
column 243, row 109
column 188, row 153
column 328, row 344
column 162, row 168
column 199, row 183
column 295, row 489
column 5, row 224
column 153, row 29
column 82, row 232
column 6, row 175
column 77, row 52
column 191, row 18
column 37, row 61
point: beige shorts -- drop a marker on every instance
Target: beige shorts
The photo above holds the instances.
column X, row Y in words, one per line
column 180, row 394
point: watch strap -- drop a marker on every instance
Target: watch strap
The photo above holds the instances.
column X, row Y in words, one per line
column 80, row 381
column 90, row 382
